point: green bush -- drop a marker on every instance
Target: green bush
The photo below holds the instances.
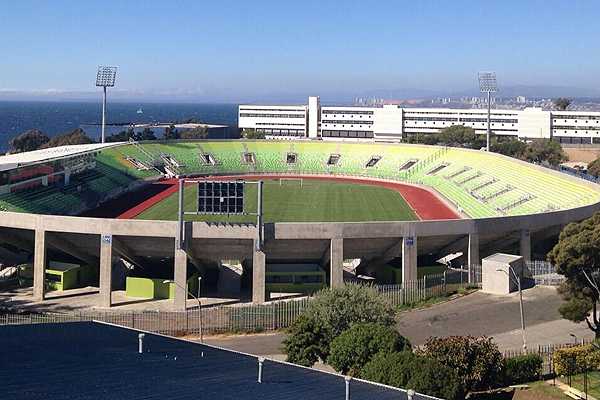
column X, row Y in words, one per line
column 355, row 347
column 521, row 369
column 431, row 377
column 476, row 360
column 573, row 360
column 331, row 312
column 305, row 342
column 392, row 369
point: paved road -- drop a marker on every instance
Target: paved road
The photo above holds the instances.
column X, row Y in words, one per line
column 476, row 314
column 497, row 316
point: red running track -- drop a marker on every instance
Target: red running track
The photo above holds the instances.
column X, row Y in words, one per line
column 425, row 203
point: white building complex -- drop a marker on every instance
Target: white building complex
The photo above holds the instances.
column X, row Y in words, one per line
column 392, row 122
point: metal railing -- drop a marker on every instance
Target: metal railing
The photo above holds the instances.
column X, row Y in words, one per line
column 252, row 317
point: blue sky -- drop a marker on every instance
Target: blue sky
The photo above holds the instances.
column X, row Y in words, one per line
column 233, row 50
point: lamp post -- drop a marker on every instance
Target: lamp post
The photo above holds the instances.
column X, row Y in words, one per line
column 200, row 328
column 105, row 78
column 517, row 279
column 488, row 84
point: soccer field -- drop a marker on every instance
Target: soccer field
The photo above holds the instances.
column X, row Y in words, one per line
column 296, row 201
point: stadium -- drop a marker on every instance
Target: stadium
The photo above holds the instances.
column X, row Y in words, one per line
column 105, row 215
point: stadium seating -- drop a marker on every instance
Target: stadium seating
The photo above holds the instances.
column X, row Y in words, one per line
column 89, row 186
column 479, row 184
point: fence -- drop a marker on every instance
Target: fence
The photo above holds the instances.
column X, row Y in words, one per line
column 546, row 352
column 261, row 317
column 240, row 318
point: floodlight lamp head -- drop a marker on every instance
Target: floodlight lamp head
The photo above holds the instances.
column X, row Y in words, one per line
column 106, row 76
column 487, row 82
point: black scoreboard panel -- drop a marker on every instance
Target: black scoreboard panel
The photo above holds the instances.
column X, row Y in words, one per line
column 220, row 197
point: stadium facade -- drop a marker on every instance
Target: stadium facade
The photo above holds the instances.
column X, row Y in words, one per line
column 392, row 122
column 503, row 203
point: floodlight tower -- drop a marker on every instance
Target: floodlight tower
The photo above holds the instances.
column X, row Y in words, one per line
column 488, row 84
column 105, row 78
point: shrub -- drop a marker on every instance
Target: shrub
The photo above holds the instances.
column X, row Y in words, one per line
column 521, row 369
column 476, row 360
column 435, row 379
column 355, row 347
column 573, row 360
column 331, row 312
column 305, row 343
column 392, row 369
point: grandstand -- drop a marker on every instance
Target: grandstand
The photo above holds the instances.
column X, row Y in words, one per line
column 479, row 184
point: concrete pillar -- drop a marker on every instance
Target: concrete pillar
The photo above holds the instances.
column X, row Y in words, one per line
column 258, row 275
column 106, row 270
column 336, row 262
column 39, row 265
column 409, row 258
column 525, row 245
column 180, row 278
column 473, row 257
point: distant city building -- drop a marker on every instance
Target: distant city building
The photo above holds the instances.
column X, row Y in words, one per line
column 521, row 99
column 393, row 122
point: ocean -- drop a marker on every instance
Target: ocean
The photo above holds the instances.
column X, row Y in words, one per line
column 54, row 118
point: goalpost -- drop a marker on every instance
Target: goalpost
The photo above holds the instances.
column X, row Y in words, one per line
column 292, row 180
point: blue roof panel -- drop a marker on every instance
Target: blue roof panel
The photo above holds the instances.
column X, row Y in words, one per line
column 87, row 360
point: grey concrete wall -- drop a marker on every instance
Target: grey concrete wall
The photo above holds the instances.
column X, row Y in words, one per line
column 336, row 263
column 105, row 276
column 219, row 236
column 258, row 274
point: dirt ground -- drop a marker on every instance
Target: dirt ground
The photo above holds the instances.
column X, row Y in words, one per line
column 582, row 154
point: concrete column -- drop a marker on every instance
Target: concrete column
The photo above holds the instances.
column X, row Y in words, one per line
column 180, row 278
column 258, row 275
column 106, row 270
column 39, row 265
column 336, row 262
column 525, row 245
column 473, row 250
column 409, row 258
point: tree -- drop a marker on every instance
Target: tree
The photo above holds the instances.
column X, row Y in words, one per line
column 28, row 141
column 509, row 147
column 146, row 134
column 594, row 167
column 199, row 132
column 331, row 312
column 76, row 136
column 122, row 136
column 355, row 347
column 434, row 378
column 460, row 136
column 409, row 371
column 305, row 341
column 577, row 257
column 392, row 369
column 545, row 151
column 171, row 133
column 561, row 103
column 476, row 360
column 250, row 133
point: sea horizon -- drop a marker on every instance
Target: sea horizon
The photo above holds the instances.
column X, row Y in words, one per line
column 57, row 117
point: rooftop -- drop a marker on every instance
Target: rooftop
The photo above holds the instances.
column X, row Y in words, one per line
column 89, row 360
column 11, row 161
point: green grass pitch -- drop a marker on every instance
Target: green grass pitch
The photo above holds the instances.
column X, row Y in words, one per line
column 291, row 201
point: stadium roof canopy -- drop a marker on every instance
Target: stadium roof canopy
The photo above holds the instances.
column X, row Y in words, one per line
column 89, row 360
column 12, row 161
